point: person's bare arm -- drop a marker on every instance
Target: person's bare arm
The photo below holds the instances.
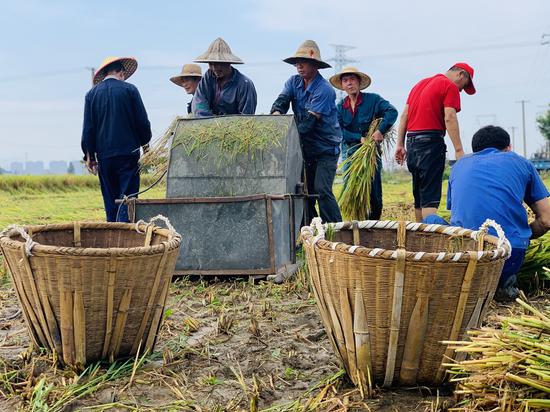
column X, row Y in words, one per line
column 451, row 123
column 400, row 152
column 541, row 224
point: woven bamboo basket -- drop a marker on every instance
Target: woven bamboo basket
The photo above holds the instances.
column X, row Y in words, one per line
column 389, row 293
column 91, row 291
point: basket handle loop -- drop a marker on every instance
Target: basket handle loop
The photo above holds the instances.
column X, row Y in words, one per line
column 401, row 234
column 29, row 243
column 317, row 223
column 500, row 233
column 154, row 219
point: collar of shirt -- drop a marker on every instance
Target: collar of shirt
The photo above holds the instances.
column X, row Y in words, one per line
column 111, row 76
column 347, row 103
column 310, row 87
column 487, row 150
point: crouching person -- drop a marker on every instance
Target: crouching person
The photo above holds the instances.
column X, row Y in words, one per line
column 493, row 183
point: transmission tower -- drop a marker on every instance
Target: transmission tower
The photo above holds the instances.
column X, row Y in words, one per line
column 340, row 60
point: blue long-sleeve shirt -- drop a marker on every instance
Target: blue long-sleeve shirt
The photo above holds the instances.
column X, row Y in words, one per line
column 237, row 96
column 115, row 120
column 372, row 106
column 319, row 136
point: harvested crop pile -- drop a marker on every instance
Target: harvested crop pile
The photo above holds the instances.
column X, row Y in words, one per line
column 358, row 173
column 509, row 368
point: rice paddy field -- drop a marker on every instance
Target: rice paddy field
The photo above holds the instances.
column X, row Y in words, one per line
column 225, row 345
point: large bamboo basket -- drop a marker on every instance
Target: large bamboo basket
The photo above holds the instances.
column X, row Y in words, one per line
column 91, row 291
column 390, row 292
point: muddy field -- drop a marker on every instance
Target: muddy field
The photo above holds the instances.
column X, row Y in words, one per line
column 225, row 346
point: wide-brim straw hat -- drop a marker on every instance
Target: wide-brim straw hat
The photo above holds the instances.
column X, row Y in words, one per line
column 129, row 63
column 310, row 51
column 364, row 79
column 188, row 70
column 218, row 52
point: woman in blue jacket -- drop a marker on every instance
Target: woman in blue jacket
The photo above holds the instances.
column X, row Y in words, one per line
column 355, row 114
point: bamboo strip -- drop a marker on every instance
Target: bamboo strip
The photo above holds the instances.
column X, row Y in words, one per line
column 37, row 304
column 148, row 235
column 52, row 322
column 150, row 301
column 77, row 242
column 156, row 323
column 355, row 231
column 395, row 316
column 347, row 326
column 472, row 324
column 362, row 339
column 23, row 302
column 120, row 324
column 111, row 272
column 459, row 314
column 418, row 324
column 320, row 298
column 79, row 329
column 67, row 332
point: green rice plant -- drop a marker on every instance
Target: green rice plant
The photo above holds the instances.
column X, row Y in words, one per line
column 509, row 368
column 219, row 141
column 532, row 276
column 358, row 172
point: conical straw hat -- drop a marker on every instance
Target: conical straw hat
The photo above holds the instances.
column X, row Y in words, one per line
column 188, row 70
column 310, row 51
column 364, row 82
column 129, row 63
column 218, row 52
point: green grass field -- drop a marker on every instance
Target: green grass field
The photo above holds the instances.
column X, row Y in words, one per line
column 55, row 199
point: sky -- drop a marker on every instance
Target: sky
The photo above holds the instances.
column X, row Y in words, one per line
column 48, row 48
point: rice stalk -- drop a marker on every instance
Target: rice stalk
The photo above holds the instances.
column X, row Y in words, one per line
column 220, row 141
column 358, row 172
column 532, row 276
column 510, row 366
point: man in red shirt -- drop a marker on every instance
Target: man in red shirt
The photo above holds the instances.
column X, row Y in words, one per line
column 431, row 110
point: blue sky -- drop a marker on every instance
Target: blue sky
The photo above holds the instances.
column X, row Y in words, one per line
column 47, row 46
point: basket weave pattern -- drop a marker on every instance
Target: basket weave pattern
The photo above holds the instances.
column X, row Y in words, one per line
column 387, row 300
column 92, row 291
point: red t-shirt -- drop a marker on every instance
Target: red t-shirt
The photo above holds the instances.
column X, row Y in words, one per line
column 427, row 101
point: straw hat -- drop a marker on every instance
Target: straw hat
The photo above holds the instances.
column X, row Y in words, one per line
column 129, row 63
column 218, row 52
column 364, row 82
column 310, row 51
column 188, row 70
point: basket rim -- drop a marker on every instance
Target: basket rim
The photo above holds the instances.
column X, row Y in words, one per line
column 171, row 243
column 503, row 251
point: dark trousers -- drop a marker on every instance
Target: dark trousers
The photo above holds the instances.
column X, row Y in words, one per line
column 426, row 162
column 320, row 172
column 118, row 177
column 376, row 186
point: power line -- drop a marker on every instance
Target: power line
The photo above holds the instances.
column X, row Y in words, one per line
column 340, row 59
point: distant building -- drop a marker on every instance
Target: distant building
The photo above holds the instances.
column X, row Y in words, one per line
column 58, row 167
column 78, row 166
column 34, row 168
column 17, row 168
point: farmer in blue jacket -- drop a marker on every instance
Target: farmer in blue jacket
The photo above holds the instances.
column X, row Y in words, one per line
column 355, row 114
column 115, row 128
column 314, row 109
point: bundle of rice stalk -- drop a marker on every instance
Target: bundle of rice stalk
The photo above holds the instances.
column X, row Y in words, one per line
column 509, row 368
column 219, row 141
column 155, row 161
column 358, row 173
column 532, row 276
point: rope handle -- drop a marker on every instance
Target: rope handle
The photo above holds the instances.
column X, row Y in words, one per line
column 29, row 243
column 317, row 224
column 154, row 219
column 500, row 233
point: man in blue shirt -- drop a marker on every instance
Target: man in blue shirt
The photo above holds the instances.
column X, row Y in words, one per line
column 313, row 104
column 223, row 89
column 355, row 114
column 493, row 183
column 115, row 127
